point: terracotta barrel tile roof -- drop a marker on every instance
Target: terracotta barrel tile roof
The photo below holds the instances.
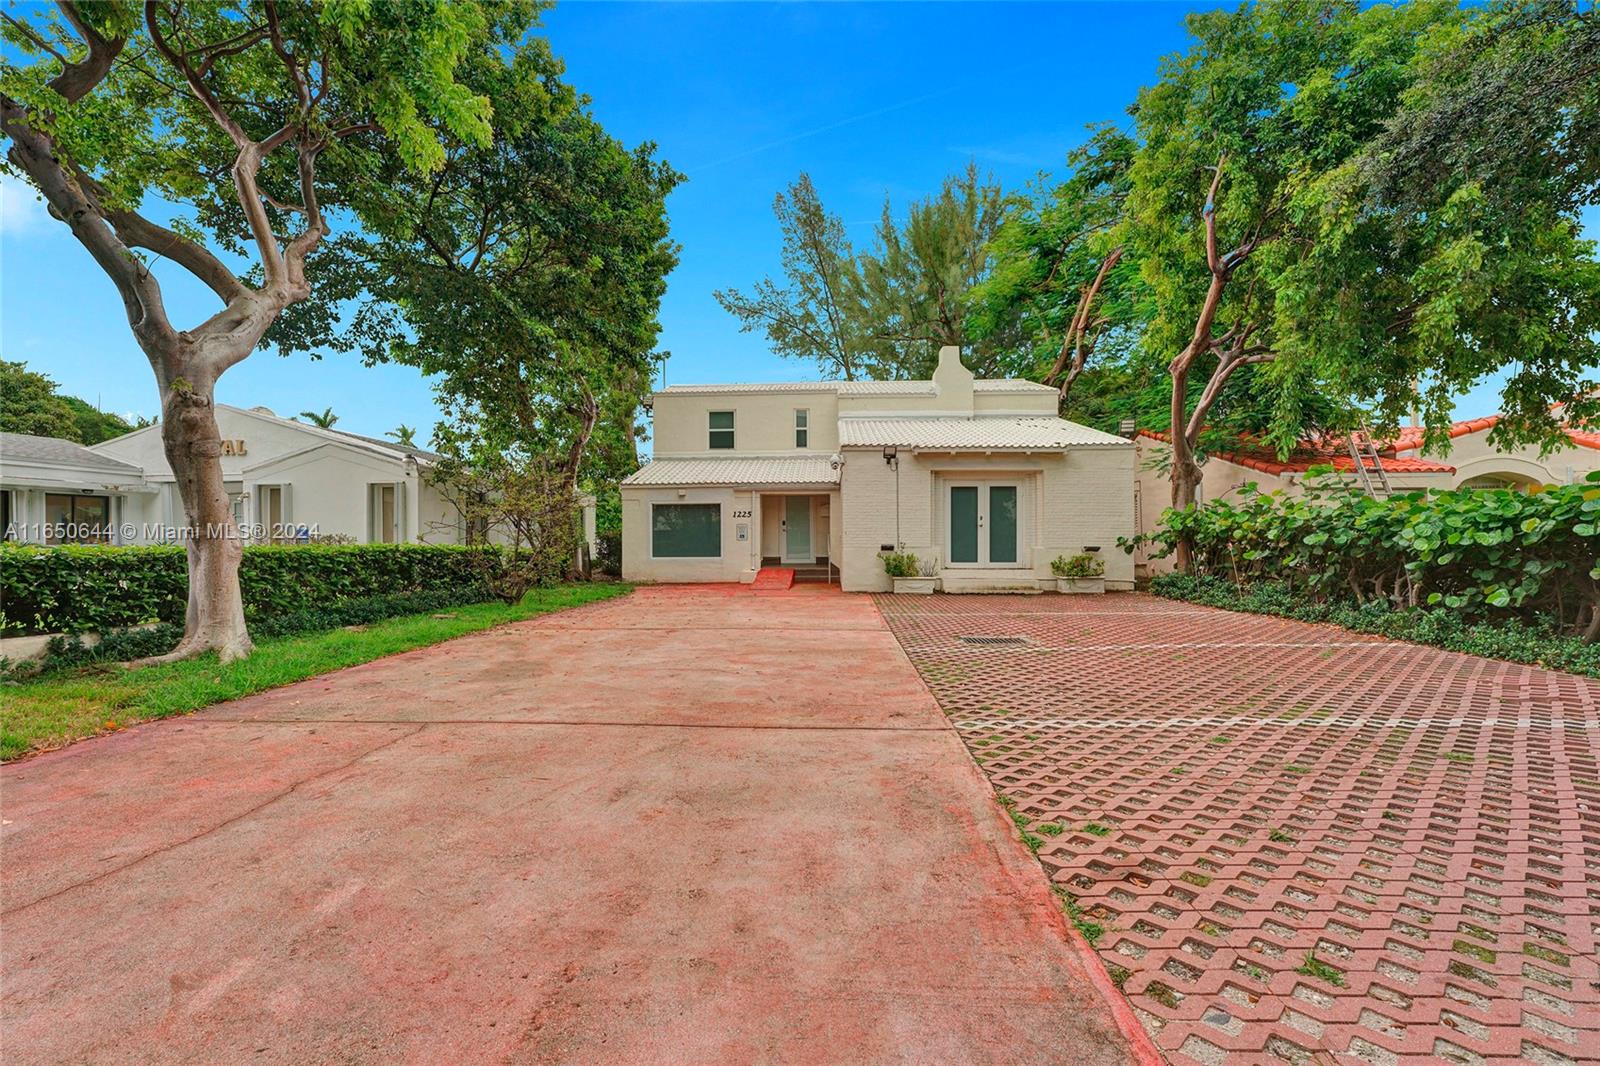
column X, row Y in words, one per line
column 1267, row 462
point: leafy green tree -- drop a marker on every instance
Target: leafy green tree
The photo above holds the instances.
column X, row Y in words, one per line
column 95, row 425
column 882, row 312
column 919, row 277
column 29, row 404
column 1061, row 280
column 1242, row 139
column 1484, row 171
column 525, row 277
column 404, row 435
column 818, row 314
column 324, row 419
column 1324, row 252
column 261, row 117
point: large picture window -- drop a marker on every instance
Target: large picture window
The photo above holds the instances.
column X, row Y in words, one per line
column 722, row 429
column 686, row 531
column 77, row 519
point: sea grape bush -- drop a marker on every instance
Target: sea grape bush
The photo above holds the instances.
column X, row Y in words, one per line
column 1487, row 554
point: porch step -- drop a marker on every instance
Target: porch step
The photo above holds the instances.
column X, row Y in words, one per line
column 992, row 582
column 812, row 574
column 773, row 579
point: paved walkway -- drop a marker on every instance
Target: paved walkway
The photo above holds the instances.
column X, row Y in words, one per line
column 1304, row 844
column 691, row 825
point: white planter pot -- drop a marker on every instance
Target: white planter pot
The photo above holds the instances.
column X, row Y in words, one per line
column 1080, row 584
column 921, row 586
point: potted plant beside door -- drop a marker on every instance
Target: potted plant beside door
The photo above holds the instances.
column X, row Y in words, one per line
column 910, row 574
column 1079, row 573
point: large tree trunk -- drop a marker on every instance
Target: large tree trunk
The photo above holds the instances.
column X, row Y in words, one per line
column 187, row 363
column 215, row 617
column 1233, row 351
column 1185, row 474
column 588, row 414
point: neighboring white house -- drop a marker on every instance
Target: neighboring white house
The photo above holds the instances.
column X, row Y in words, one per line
column 53, row 489
column 979, row 476
column 288, row 481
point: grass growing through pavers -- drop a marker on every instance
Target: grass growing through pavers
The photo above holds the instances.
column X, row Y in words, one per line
column 1092, row 930
column 55, row 710
column 1315, row 967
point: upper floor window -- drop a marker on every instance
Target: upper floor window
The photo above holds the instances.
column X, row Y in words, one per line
column 802, row 427
column 721, row 429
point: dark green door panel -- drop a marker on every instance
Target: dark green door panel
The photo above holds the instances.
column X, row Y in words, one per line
column 963, row 524
column 1002, row 523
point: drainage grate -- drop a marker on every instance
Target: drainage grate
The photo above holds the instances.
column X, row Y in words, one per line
column 1011, row 641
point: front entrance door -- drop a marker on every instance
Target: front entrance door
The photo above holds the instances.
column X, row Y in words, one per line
column 984, row 521
column 797, row 530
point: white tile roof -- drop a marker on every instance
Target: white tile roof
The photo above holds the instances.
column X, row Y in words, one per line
column 758, row 386
column 975, row 434
column 755, row 470
column 887, row 388
column 1008, row 385
column 859, row 388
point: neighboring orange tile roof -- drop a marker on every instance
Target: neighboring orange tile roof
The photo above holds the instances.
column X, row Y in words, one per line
column 1410, row 437
column 1266, row 460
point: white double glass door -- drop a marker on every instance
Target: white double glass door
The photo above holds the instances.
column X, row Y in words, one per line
column 985, row 519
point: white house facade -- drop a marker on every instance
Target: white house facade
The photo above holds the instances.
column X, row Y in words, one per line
column 979, row 476
column 53, row 490
column 288, row 481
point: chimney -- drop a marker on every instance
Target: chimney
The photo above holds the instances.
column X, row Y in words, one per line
column 953, row 381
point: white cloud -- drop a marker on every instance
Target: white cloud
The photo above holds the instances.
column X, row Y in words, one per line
column 21, row 210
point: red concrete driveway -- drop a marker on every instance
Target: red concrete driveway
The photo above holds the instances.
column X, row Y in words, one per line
column 691, row 825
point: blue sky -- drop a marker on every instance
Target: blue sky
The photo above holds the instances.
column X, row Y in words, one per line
column 872, row 100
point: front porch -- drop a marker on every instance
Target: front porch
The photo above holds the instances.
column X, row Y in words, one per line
column 797, row 532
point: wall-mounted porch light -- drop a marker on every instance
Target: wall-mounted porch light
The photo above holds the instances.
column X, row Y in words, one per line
column 890, row 453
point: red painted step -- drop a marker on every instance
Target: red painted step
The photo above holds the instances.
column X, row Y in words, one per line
column 773, row 579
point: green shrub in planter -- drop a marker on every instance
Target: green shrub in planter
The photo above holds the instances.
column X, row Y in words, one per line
column 900, row 564
column 1081, row 565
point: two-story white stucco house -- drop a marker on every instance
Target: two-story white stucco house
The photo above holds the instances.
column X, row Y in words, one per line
column 980, row 476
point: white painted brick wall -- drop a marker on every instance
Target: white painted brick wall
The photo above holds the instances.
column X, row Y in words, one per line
column 1081, row 498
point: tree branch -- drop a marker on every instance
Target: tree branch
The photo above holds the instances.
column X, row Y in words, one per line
column 35, row 154
column 139, row 232
column 1074, row 345
column 1209, row 212
column 76, row 79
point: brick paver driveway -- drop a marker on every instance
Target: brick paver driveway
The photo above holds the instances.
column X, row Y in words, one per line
column 1302, row 843
column 696, row 825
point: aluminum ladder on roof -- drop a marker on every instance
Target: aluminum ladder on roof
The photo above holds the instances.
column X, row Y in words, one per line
column 1373, row 478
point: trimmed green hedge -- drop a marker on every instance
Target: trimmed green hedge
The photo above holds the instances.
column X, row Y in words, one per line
column 120, row 645
column 86, row 588
column 1513, row 641
column 1489, row 555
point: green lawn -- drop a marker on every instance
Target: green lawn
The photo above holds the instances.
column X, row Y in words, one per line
column 56, row 710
